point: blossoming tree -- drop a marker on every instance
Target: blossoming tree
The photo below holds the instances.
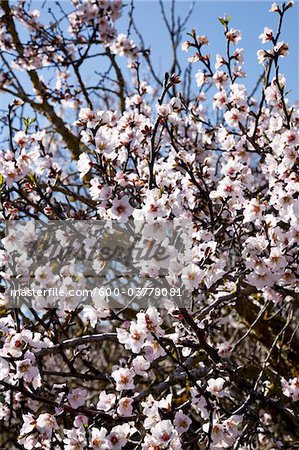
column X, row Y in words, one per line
column 221, row 373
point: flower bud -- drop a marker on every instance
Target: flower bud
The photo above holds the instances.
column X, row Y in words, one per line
column 17, row 102
column 174, row 79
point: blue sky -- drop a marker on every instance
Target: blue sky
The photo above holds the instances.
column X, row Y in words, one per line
column 249, row 16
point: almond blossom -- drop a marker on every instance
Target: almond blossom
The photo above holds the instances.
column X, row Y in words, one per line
column 151, row 223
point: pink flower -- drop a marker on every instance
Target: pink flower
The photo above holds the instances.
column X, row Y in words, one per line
column 119, row 436
column 153, row 350
column 163, row 432
column 281, row 49
column 106, row 401
column 215, row 386
column 233, row 36
column 253, row 210
column 261, row 277
column 133, row 339
column 233, row 117
column 76, row 397
column 43, row 275
column 274, row 7
column 124, row 379
column 267, row 35
column 232, row 425
column 150, row 321
column 218, row 434
column 75, row 439
column 84, row 164
column 94, row 315
column 164, row 110
column 88, row 116
column 201, row 78
column 181, row 422
column 192, row 276
column 26, row 370
column 220, row 100
column 141, row 366
column 99, row 439
column 220, row 79
column 291, row 137
column 176, row 104
column 220, row 61
column 185, row 46
column 46, row 423
column 21, row 138
column 80, row 421
column 29, row 423
column 4, row 368
column 125, row 407
column 123, row 46
column 290, row 388
column 121, row 209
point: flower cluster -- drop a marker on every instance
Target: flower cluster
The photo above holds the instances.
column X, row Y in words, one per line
column 217, row 370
